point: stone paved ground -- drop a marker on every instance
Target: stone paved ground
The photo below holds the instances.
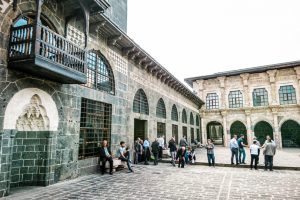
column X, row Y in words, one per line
column 167, row 182
column 284, row 157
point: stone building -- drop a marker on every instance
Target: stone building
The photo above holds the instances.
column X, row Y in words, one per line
column 256, row 101
column 71, row 77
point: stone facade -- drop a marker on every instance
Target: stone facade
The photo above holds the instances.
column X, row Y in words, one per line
column 40, row 119
column 273, row 112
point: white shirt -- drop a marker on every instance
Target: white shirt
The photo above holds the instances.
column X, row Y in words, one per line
column 254, row 149
column 233, row 143
column 161, row 141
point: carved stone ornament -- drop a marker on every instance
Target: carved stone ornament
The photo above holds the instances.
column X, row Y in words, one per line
column 34, row 116
column 4, row 5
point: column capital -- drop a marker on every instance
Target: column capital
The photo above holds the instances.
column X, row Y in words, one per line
column 245, row 78
column 272, row 75
column 223, row 113
column 222, row 81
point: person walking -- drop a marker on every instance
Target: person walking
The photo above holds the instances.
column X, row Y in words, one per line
column 269, row 152
column 254, row 149
column 105, row 155
column 124, row 155
column 155, row 150
column 183, row 142
column 146, row 147
column 173, row 150
column 234, row 147
column 258, row 144
column 210, row 153
column 138, row 151
column 181, row 156
column 242, row 153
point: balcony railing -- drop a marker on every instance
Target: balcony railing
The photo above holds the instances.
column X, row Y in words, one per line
column 41, row 51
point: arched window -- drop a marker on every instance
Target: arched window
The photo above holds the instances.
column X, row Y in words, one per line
column 184, row 116
column 161, row 109
column 235, row 99
column 197, row 120
column 174, row 114
column 260, row 97
column 140, row 103
column 99, row 73
column 287, row 95
column 212, row 101
column 192, row 119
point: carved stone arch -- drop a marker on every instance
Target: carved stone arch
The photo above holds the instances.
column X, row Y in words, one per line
column 31, row 105
column 287, row 118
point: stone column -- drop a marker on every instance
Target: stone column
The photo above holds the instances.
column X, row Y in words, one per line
column 203, row 128
column 272, row 79
column 245, row 78
column 276, row 128
column 222, row 98
column 250, row 134
column 225, row 132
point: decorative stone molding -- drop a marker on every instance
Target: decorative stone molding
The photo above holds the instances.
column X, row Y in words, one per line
column 245, row 78
column 34, row 116
column 4, row 5
column 25, row 104
column 272, row 75
column 222, row 81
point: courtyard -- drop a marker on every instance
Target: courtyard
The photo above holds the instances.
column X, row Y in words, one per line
column 167, row 182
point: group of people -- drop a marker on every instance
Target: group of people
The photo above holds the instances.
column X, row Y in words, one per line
column 185, row 154
column 237, row 147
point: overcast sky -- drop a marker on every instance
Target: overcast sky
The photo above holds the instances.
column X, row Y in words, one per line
column 200, row 37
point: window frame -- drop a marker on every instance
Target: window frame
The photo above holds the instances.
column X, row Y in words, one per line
column 140, row 102
column 290, row 95
column 212, row 101
column 262, row 93
column 235, row 99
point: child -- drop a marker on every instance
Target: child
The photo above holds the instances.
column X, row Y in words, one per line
column 254, row 149
column 181, row 156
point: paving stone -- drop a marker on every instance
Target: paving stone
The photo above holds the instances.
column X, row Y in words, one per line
column 167, row 182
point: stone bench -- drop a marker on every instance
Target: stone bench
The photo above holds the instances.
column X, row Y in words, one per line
column 117, row 165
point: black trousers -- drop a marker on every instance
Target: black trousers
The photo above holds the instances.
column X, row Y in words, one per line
column 155, row 155
column 160, row 152
column 181, row 162
column 268, row 162
column 110, row 160
column 254, row 158
column 234, row 153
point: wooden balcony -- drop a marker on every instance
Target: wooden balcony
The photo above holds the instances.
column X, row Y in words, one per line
column 42, row 52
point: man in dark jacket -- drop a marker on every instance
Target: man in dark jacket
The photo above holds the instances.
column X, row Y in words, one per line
column 181, row 156
column 173, row 149
column 155, row 151
column 183, row 142
column 105, row 155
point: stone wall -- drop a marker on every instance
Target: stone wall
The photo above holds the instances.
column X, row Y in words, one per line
column 61, row 104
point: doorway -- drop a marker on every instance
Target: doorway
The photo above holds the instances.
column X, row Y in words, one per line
column 215, row 132
column 140, row 129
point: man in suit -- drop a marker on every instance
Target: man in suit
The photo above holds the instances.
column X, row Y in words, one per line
column 105, row 155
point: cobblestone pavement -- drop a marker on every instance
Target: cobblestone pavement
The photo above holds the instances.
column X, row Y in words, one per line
column 284, row 157
column 167, row 182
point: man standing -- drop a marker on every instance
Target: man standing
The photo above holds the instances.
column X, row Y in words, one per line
column 155, row 150
column 269, row 152
column 254, row 148
column 173, row 149
column 146, row 146
column 210, row 153
column 234, row 147
column 183, row 142
column 124, row 155
column 105, row 155
column 242, row 155
column 161, row 142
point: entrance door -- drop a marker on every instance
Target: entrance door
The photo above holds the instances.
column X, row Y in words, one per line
column 184, row 132
column 238, row 128
column 290, row 133
column 161, row 130
column 261, row 130
column 215, row 132
column 139, row 129
column 192, row 135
